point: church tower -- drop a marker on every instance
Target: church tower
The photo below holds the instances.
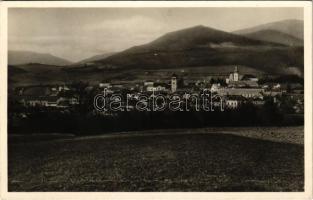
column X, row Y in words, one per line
column 174, row 83
column 236, row 74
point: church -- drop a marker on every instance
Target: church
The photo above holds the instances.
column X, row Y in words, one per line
column 240, row 85
column 241, row 81
column 233, row 77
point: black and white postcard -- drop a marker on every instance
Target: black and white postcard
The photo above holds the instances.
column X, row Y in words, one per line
column 156, row 100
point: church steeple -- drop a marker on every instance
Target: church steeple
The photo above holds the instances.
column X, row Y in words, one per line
column 236, row 69
column 236, row 74
column 174, row 83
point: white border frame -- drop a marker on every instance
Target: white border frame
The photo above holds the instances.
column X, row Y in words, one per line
column 307, row 194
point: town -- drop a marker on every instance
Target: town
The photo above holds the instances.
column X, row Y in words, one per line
column 235, row 90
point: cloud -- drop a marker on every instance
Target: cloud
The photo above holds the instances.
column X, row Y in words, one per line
column 136, row 23
column 89, row 39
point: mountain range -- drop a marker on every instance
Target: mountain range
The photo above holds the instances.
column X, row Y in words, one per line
column 291, row 27
column 93, row 58
column 272, row 48
column 204, row 46
column 275, row 36
column 25, row 57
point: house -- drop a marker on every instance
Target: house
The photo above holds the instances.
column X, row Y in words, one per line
column 215, row 87
column 46, row 101
column 162, row 86
column 52, row 101
column 156, row 88
column 245, row 92
column 148, row 83
column 54, row 91
column 276, row 86
column 150, row 88
column 233, row 102
column 118, row 85
column 33, row 101
column 104, row 85
column 63, row 88
column 272, row 93
column 67, row 101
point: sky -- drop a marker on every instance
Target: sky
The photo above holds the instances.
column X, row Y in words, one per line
column 79, row 33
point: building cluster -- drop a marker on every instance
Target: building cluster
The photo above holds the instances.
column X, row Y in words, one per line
column 236, row 89
column 57, row 96
column 240, row 89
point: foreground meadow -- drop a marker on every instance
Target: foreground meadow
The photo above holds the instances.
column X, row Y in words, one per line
column 208, row 159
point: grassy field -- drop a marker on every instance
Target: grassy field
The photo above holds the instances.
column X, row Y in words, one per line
column 209, row 159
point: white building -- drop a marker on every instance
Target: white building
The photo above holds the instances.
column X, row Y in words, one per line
column 233, row 77
column 245, row 92
column 276, row 86
column 155, row 88
column 104, row 85
column 232, row 103
column 63, row 88
column 215, row 87
column 148, row 83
